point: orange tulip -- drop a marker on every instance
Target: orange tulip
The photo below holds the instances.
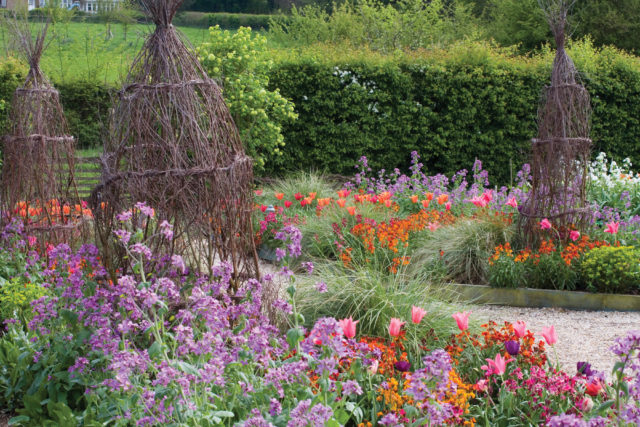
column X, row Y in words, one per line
column 351, row 210
column 279, row 196
column 443, row 198
column 387, row 203
column 414, row 199
column 425, row 204
column 312, row 195
column 66, row 210
column 429, row 196
column 341, row 202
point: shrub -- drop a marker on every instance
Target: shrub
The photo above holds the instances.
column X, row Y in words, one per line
column 241, row 63
column 612, row 270
column 16, row 296
column 227, row 21
column 12, row 73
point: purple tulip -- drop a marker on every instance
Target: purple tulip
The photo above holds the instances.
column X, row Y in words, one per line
column 585, row 368
column 513, row 347
column 402, row 366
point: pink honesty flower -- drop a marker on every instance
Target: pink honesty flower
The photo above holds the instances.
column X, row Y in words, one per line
column 417, row 313
column 612, row 227
column 574, row 235
column 348, row 327
column 498, row 365
column 520, row 328
column 545, row 224
column 462, row 319
column 549, row 335
column 512, row 202
column 394, row 326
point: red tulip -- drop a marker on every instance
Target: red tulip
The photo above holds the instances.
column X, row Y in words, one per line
column 287, row 204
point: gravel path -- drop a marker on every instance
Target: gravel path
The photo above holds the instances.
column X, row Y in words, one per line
column 582, row 335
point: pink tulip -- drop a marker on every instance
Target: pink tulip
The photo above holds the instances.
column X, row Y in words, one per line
column 462, row 319
column 512, row 202
column 348, row 327
column 549, row 335
column 478, row 201
column 520, row 328
column 417, row 313
column 487, row 196
column 498, row 365
column 574, row 235
column 612, row 227
column 447, row 206
column 433, row 226
column 545, row 224
column 394, row 326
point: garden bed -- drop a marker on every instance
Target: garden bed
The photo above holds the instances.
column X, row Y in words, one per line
column 539, row 298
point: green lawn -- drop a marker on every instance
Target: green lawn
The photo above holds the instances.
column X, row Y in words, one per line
column 80, row 50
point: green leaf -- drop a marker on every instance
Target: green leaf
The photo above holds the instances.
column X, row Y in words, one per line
column 294, row 336
column 155, row 349
column 604, row 406
column 18, row 420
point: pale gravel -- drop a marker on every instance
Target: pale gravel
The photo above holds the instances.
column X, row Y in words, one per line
column 582, row 335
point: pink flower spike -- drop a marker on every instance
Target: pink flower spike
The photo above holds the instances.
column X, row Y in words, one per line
column 520, row 328
column 574, row 235
column 512, row 202
column 612, row 227
column 348, row 327
column 498, row 365
column 545, row 224
column 394, row 327
column 417, row 313
column 549, row 335
column 462, row 319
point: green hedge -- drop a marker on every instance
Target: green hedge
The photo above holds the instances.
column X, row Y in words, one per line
column 451, row 108
column 227, row 21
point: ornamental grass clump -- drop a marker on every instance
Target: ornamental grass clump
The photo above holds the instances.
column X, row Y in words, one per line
column 173, row 144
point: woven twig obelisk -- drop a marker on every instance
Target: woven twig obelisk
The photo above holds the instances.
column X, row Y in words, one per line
column 37, row 182
column 560, row 152
column 174, row 145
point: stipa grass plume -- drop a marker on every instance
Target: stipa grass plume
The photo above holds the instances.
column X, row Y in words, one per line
column 37, row 184
column 174, row 145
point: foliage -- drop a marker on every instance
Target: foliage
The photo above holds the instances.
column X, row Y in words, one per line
column 12, row 74
column 612, row 270
column 227, row 21
column 472, row 100
column 614, row 186
column 241, row 63
column 16, row 296
column 520, row 22
column 408, row 24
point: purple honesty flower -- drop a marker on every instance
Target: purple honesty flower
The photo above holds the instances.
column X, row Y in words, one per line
column 280, row 254
column 390, row 420
column 308, row 266
column 146, row 210
column 178, row 263
column 124, row 216
column 321, row 287
column 275, row 408
column 139, row 248
column 123, row 235
column 512, row 347
column 351, row 387
column 80, row 365
column 166, row 229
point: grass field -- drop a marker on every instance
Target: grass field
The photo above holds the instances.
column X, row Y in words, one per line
column 80, row 50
